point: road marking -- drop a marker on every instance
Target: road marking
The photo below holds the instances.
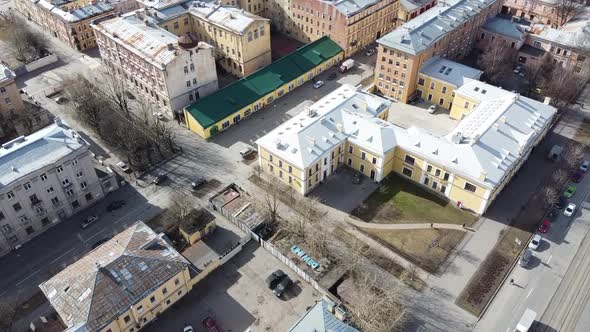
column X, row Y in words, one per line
column 548, row 260
column 529, row 294
column 29, row 277
column 62, row 255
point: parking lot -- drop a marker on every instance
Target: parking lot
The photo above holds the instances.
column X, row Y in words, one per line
column 235, row 295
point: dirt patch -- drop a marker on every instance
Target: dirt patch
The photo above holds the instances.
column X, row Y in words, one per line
column 427, row 248
column 166, row 223
column 583, row 132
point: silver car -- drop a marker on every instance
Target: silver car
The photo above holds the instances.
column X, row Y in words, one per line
column 535, row 241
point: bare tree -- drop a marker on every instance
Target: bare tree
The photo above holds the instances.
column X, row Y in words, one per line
column 565, row 84
column 559, row 177
column 88, row 106
column 565, row 10
column 496, row 61
column 573, row 155
column 271, row 204
column 550, row 194
column 26, row 43
column 538, row 71
column 182, row 205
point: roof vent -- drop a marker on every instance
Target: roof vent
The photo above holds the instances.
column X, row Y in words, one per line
column 417, row 144
column 457, row 137
column 311, row 113
column 13, row 168
column 435, row 152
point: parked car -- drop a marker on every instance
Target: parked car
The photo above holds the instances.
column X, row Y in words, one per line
column 282, row 286
column 188, row 329
column 89, row 221
column 275, row 278
column 211, row 325
column 197, row 182
column 318, row 84
column 535, row 241
column 124, row 167
column 61, row 100
column 584, row 166
column 100, row 242
column 247, row 153
column 332, row 76
column 578, row 176
column 115, row 205
column 569, row 192
column 545, row 226
column 370, row 52
column 569, row 210
column 561, row 202
column 525, row 258
column 431, row 109
column 161, row 177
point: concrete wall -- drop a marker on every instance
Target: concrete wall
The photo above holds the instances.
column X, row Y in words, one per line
column 40, row 63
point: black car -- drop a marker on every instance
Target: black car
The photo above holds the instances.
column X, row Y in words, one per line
column 275, row 278
column 115, row 205
column 560, row 204
column 332, row 76
column 553, row 213
column 99, row 242
column 160, row 178
column 282, row 286
column 197, row 182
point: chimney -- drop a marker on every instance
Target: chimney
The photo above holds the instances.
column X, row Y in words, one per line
column 547, row 101
column 483, row 175
column 58, row 121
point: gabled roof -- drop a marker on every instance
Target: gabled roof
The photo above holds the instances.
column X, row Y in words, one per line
column 423, row 31
column 449, row 71
column 98, row 288
column 320, row 319
column 225, row 102
column 505, row 27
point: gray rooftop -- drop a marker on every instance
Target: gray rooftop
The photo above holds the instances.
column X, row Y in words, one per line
column 410, row 5
column 423, row 31
column 505, row 27
column 27, row 154
column 5, row 73
column 449, row 71
column 98, row 288
column 352, row 7
column 320, row 319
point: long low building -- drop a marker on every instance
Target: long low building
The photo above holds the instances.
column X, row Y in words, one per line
column 226, row 107
column 469, row 166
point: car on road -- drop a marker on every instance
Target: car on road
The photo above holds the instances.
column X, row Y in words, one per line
column 115, row 205
column 431, row 109
column 89, row 221
column 161, row 177
column 578, row 176
column 584, row 166
column 561, row 202
column 569, row 210
column 370, row 52
column 318, row 84
column 545, row 226
column 570, row 191
column 197, row 182
column 188, row 328
column 332, row 76
column 124, row 167
column 535, row 241
column 100, row 242
column 282, row 286
column 525, row 258
column 274, row 279
column 211, row 325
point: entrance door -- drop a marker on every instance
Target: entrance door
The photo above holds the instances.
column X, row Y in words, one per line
column 372, row 174
column 325, row 174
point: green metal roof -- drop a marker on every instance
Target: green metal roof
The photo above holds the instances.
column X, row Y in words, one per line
column 225, row 102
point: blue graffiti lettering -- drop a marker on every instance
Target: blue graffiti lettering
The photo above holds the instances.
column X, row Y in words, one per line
column 304, row 257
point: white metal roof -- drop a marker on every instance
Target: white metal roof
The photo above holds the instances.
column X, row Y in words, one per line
column 26, row 154
column 449, row 71
column 237, row 20
column 575, row 33
column 421, row 32
column 352, row 7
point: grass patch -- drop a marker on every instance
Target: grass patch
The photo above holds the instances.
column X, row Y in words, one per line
column 401, row 201
column 427, row 248
column 383, row 262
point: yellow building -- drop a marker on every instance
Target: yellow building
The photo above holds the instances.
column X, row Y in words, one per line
column 226, row 107
column 197, row 224
column 438, row 78
column 122, row 285
column 447, row 30
column 469, row 166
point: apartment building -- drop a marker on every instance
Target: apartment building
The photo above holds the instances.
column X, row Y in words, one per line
column 122, row 285
column 469, row 166
column 10, row 99
column 167, row 70
column 538, row 11
column 45, row 178
column 123, row 6
column 448, row 30
column 438, row 79
column 351, row 24
column 409, row 9
column 228, row 106
column 69, row 21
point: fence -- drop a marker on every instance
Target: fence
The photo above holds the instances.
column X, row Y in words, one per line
column 40, row 63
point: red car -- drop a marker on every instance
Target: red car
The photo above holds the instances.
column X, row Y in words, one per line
column 544, row 228
column 578, row 176
column 211, row 325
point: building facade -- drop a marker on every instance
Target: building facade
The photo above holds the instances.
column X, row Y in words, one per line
column 167, row 70
column 10, row 99
column 538, row 11
column 228, row 106
column 446, row 30
column 469, row 166
column 45, row 178
column 410, row 9
column 69, row 21
column 122, row 285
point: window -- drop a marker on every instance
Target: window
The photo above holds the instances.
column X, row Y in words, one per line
column 441, row 101
column 374, row 160
column 194, row 81
column 470, row 187
column 466, row 104
column 88, row 197
column 7, row 100
column 17, row 207
column 537, row 44
column 27, row 186
column 65, row 182
column 350, row 149
column 409, row 159
column 429, row 168
column 363, row 156
column 280, row 163
column 10, row 195
column 152, row 299
column 2, row 90
column 55, row 201
column 420, row 81
column 59, row 169
column 140, row 309
column 362, row 168
column 188, row 84
column 446, row 177
column 281, row 174
column 164, row 290
column 437, row 173
column 434, row 185
column 126, row 319
column 443, row 189
column 429, row 97
column 444, row 89
column 290, row 169
column 407, row 172
column 23, row 219
column 6, row 229
column 250, row 36
column 45, row 221
column 50, row 190
column 186, row 21
column 185, row 69
column 83, row 184
column 426, row 181
column 30, row 230
column 34, row 199
column 75, row 204
column 176, row 282
column 43, row 177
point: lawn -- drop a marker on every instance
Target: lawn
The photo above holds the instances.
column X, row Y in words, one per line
column 400, row 201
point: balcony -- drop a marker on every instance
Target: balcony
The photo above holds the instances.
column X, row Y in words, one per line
column 35, row 203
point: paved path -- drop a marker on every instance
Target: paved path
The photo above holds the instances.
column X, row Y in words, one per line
column 369, row 225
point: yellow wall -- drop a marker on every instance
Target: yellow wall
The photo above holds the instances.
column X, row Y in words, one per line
column 199, row 234
column 179, row 25
column 462, row 106
column 436, row 92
